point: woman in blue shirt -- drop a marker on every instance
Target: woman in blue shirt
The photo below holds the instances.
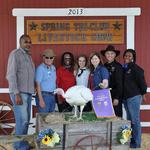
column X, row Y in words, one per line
column 99, row 74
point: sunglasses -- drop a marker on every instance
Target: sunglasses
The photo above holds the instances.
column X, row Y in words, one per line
column 27, row 42
column 49, row 57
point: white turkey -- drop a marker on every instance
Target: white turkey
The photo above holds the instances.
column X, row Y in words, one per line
column 77, row 95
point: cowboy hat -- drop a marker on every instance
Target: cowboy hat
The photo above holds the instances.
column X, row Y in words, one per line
column 110, row 48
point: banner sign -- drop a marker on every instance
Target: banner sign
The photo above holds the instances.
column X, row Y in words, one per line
column 102, row 103
column 108, row 31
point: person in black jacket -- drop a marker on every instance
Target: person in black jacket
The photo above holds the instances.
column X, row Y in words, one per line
column 134, row 90
column 116, row 77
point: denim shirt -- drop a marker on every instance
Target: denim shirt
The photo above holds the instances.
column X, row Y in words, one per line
column 99, row 74
column 46, row 77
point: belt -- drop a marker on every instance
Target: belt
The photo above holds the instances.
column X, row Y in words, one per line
column 49, row 93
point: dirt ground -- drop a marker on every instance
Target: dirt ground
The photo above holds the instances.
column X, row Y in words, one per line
column 145, row 144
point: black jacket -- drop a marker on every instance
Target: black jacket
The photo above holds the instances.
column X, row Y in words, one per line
column 116, row 79
column 134, row 81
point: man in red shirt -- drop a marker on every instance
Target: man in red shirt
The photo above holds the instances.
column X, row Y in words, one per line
column 65, row 79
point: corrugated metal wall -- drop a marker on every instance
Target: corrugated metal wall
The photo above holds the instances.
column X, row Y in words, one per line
column 8, row 33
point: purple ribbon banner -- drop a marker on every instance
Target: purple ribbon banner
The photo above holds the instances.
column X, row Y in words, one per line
column 102, row 103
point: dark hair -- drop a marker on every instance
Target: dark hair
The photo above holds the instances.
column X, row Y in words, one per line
column 132, row 51
column 84, row 56
column 91, row 56
column 72, row 59
column 24, row 36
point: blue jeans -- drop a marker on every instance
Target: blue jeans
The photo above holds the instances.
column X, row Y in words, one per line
column 132, row 107
column 22, row 118
column 50, row 102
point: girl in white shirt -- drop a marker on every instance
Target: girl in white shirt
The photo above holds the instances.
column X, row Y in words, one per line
column 82, row 76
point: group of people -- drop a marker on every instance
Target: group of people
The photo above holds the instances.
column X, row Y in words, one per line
column 127, row 83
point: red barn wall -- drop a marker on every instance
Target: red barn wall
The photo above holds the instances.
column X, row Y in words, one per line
column 8, row 33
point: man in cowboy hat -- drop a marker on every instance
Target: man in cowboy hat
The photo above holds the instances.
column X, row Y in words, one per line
column 116, row 77
column 46, row 83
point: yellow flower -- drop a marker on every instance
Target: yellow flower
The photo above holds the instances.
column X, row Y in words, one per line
column 46, row 140
column 126, row 134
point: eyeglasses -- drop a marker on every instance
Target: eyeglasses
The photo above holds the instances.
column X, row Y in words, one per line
column 49, row 57
column 27, row 42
